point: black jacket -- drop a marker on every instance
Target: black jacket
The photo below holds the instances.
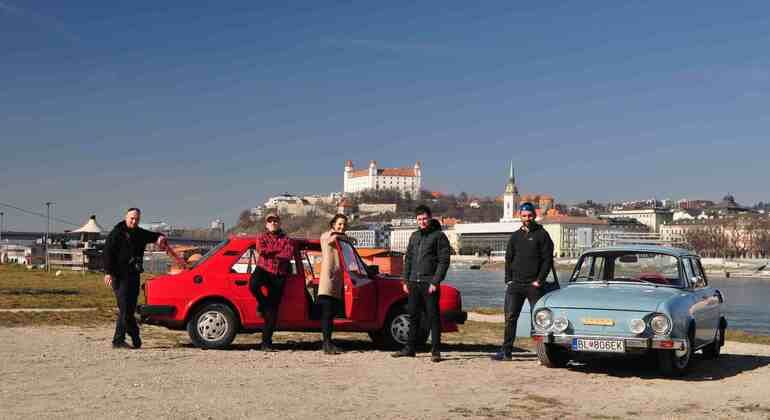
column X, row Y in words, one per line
column 529, row 256
column 427, row 255
column 122, row 244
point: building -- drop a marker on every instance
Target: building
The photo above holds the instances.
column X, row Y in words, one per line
column 653, row 218
column 372, row 209
column 378, row 237
column 388, row 262
column 544, row 202
column 511, row 199
column 571, row 235
column 405, row 180
column 399, row 237
column 474, row 238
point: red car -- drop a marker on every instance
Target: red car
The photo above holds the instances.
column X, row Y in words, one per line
column 213, row 302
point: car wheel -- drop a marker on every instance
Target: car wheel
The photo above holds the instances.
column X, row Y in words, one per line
column 213, row 326
column 395, row 332
column 676, row 362
column 713, row 350
column 552, row 356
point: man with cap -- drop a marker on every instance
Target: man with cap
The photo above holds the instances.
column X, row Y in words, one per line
column 528, row 261
column 275, row 251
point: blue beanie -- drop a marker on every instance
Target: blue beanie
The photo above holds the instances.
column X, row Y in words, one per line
column 527, row 207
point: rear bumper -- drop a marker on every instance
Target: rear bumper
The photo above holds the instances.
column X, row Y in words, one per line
column 458, row 317
column 663, row 343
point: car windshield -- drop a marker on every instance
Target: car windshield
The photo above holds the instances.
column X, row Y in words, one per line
column 210, row 253
column 629, row 266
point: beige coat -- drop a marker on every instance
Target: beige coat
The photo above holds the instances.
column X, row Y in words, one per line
column 330, row 283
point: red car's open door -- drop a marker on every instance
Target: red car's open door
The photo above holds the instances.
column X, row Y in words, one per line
column 360, row 290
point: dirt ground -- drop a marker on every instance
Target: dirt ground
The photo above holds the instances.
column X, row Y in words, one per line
column 71, row 372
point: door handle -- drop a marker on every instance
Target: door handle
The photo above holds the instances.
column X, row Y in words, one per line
column 241, row 282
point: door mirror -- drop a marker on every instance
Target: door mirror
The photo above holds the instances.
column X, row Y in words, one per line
column 698, row 282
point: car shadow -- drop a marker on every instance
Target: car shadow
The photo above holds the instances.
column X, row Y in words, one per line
column 700, row 370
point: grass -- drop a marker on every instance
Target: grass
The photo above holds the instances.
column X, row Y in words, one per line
column 23, row 288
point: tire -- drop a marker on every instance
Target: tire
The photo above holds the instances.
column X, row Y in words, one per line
column 552, row 356
column 674, row 363
column 213, row 326
column 395, row 331
column 713, row 350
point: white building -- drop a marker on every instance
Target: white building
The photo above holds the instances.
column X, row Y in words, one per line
column 405, row 180
column 510, row 200
column 653, row 218
column 399, row 237
column 371, row 238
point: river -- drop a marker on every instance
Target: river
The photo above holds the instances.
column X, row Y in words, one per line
column 746, row 299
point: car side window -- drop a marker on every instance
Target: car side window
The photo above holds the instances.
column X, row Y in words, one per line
column 351, row 262
column 697, row 269
column 688, row 271
column 246, row 263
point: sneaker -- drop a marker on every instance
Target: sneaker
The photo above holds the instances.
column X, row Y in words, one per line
column 405, row 352
column 330, row 348
column 268, row 347
column 501, row 356
column 435, row 358
column 120, row 345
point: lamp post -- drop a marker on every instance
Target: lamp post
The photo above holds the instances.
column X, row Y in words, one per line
column 2, row 224
column 47, row 232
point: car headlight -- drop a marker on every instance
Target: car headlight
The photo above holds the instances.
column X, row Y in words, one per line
column 560, row 324
column 543, row 319
column 637, row 326
column 660, row 324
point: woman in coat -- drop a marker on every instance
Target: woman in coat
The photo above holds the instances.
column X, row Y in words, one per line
column 330, row 284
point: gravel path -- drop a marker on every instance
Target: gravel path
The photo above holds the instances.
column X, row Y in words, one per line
column 71, row 372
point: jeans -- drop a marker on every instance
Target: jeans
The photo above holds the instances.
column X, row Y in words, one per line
column 126, row 289
column 329, row 307
column 514, row 301
column 267, row 305
column 420, row 300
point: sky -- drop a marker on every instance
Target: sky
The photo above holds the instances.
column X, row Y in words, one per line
column 195, row 111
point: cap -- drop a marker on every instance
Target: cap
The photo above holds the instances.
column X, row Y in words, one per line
column 527, row 207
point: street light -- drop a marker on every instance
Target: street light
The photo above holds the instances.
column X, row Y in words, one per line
column 48, row 205
column 2, row 224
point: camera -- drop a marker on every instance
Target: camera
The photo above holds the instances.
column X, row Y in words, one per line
column 135, row 265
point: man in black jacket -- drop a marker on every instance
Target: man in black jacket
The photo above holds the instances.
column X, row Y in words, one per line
column 425, row 266
column 528, row 261
column 123, row 258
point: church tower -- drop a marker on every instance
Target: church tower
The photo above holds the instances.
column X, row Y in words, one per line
column 510, row 199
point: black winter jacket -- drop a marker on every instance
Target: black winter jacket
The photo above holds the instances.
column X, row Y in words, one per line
column 427, row 255
column 123, row 243
column 528, row 256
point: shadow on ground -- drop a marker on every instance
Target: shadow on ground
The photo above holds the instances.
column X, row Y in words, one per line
column 726, row 366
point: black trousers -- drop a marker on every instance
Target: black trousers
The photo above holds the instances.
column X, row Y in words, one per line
column 514, row 301
column 329, row 307
column 420, row 301
column 126, row 289
column 267, row 305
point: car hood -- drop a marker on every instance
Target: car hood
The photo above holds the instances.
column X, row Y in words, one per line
column 627, row 297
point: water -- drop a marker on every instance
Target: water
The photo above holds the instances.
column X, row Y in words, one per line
column 746, row 299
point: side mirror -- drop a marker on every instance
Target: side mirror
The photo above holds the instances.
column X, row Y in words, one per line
column 373, row 270
column 699, row 281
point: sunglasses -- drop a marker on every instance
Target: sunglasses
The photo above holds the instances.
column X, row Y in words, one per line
column 273, row 220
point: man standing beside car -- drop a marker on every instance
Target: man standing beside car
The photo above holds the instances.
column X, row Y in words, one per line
column 275, row 253
column 528, row 261
column 123, row 258
column 425, row 266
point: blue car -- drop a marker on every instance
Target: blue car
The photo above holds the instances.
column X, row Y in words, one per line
column 627, row 300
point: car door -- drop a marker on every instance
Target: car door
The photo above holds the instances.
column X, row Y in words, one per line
column 698, row 303
column 712, row 307
column 238, row 280
column 360, row 291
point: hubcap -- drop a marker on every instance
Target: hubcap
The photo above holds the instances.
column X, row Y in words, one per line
column 212, row 326
column 399, row 328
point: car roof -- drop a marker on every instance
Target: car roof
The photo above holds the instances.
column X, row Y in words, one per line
column 653, row 249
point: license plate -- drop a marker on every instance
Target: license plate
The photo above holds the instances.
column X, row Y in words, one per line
column 602, row 345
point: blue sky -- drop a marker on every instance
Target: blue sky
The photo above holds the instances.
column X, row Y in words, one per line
column 195, row 112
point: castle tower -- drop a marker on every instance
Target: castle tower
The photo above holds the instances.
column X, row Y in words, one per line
column 510, row 198
column 346, row 187
column 417, row 176
column 372, row 174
